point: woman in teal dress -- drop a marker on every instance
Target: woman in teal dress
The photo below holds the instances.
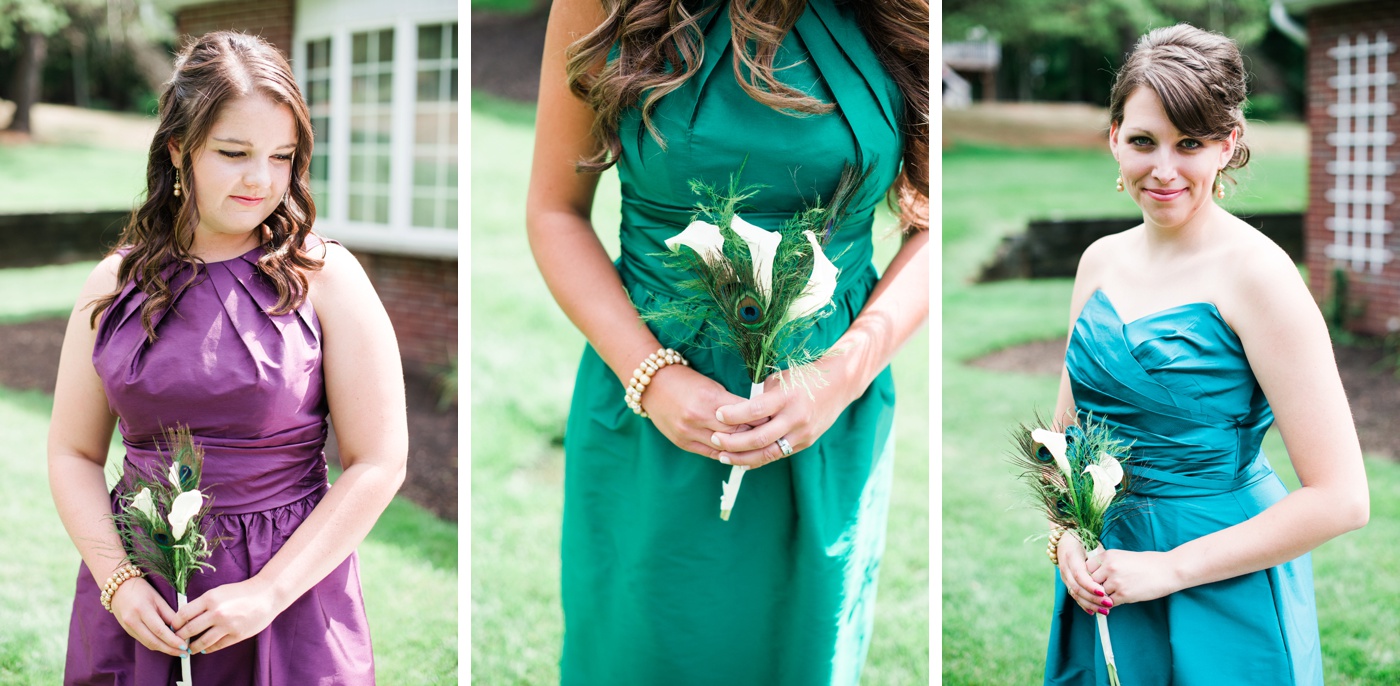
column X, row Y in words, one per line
column 1189, row 335
column 656, row 587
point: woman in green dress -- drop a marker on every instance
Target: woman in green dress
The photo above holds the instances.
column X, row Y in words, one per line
column 656, row 587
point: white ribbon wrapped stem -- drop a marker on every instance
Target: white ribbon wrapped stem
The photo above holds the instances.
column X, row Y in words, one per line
column 185, row 678
column 1103, row 634
column 736, row 473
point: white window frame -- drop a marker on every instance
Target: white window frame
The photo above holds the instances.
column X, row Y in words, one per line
column 399, row 236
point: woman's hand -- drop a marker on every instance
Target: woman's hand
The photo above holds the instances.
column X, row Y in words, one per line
column 682, row 404
column 226, row 615
column 1088, row 593
column 799, row 416
column 147, row 617
column 1129, row 577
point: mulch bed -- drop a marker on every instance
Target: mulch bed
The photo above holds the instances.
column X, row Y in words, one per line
column 30, row 361
column 1372, row 389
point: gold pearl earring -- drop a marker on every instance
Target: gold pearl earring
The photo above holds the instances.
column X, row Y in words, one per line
column 177, row 182
column 1120, row 183
column 1219, row 187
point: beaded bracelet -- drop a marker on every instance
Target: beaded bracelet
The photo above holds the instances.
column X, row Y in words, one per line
column 641, row 376
column 1052, row 549
column 124, row 573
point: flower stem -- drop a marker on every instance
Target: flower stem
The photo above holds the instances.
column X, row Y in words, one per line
column 1103, row 635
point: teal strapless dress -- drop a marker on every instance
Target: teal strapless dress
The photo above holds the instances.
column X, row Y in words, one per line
column 656, row 588
column 1177, row 384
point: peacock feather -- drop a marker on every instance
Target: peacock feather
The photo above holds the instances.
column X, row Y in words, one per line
column 753, row 290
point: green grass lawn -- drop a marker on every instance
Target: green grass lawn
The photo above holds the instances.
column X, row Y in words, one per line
column 408, row 562
column 524, row 355
column 997, row 586
column 70, row 178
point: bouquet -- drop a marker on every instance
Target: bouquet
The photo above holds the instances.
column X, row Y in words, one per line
column 160, row 521
column 760, row 290
column 1075, row 478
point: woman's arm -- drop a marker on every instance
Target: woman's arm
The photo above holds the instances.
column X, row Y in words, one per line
column 79, row 434
column 365, row 392
column 1286, row 341
column 573, row 262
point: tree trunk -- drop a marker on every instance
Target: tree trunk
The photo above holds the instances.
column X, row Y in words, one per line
column 33, row 48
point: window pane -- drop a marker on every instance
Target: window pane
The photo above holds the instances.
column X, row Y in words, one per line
column 381, row 208
column 360, row 48
column 423, row 212
column 428, row 86
column 386, row 87
column 425, row 173
column 452, row 38
column 381, row 167
column 450, row 209
column 386, row 45
column 453, row 85
column 430, row 42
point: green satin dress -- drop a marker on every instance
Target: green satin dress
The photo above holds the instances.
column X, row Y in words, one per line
column 1176, row 385
column 656, row 588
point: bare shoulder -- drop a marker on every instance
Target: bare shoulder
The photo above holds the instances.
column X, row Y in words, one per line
column 1263, row 287
column 340, row 272
column 102, row 280
column 1103, row 252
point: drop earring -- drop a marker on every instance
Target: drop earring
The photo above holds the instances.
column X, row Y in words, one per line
column 177, row 182
column 1219, row 187
column 1120, row 182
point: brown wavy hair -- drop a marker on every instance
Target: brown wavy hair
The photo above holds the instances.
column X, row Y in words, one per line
column 209, row 72
column 1199, row 77
column 653, row 35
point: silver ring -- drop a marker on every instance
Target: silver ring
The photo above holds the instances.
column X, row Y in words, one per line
column 784, row 446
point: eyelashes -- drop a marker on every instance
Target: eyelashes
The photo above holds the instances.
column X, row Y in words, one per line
column 238, row 153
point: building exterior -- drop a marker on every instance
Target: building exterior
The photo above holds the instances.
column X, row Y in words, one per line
column 1352, row 118
column 380, row 80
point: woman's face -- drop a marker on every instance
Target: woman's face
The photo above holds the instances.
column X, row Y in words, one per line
column 1168, row 174
column 244, row 167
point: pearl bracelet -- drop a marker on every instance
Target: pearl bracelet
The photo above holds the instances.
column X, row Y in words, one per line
column 641, row 376
column 1052, row 549
column 124, row 573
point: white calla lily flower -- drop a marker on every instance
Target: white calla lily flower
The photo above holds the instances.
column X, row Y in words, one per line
column 174, row 475
column 1057, row 446
column 763, row 249
column 702, row 237
column 821, row 285
column 143, row 504
column 186, row 505
column 1107, row 474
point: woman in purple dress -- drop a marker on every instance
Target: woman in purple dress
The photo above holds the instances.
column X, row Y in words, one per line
column 222, row 312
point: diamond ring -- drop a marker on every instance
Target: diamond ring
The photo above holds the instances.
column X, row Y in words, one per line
column 784, row 446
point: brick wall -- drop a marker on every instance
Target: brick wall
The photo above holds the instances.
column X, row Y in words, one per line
column 420, row 294
column 271, row 19
column 1378, row 294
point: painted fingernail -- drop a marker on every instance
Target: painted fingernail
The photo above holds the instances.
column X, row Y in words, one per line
column 1108, row 602
column 724, row 458
column 1098, row 593
column 719, row 416
column 714, row 440
column 1103, row 611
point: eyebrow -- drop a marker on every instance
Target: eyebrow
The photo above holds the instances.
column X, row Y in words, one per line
column 236, row 141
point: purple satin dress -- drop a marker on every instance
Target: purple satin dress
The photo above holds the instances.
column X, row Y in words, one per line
column 249, row 386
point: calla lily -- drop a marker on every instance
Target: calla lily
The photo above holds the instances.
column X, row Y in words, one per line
column 1107, row 474
column 821, row 285
column 702, row 237
column 174, row 475
column 763, row 248
column 186, row 505
column 1057, row 445
column 143, row 504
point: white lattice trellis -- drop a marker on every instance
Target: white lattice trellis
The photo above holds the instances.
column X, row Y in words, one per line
column 1358, row 194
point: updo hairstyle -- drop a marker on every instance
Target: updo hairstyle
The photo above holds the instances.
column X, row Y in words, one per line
column 1199, row 77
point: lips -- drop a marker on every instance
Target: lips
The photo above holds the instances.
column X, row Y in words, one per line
column 1163, row 194
column 246, row 201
